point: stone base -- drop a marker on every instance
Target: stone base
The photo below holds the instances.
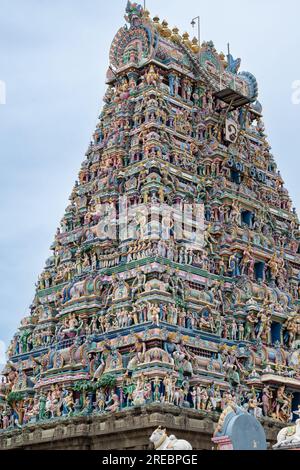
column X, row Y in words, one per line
column 125, row 430
column 290, row 447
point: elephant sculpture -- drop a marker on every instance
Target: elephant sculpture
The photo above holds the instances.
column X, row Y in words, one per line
column 158, row 355
column 204, row 296
column 73, row 291
column 74, row 355
column 245, row 289
column 77, row 290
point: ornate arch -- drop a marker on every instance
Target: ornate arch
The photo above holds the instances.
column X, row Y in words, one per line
column 141, row 39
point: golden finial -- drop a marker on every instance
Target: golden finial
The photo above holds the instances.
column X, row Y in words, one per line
column 157, row 23
column 223, row 60
column 186, row 40
column 195, row 46
column 166, row 32
column 175, row 34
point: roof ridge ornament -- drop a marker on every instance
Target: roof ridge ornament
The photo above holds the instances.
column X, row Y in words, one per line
column 134, row 13
column 233, row 64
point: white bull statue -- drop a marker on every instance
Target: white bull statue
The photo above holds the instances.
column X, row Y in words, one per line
column 290, row 435
column 162, row 441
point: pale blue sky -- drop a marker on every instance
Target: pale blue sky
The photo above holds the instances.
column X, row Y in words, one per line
column 53, row 58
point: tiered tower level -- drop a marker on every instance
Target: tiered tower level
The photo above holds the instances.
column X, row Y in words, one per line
column 135, row 312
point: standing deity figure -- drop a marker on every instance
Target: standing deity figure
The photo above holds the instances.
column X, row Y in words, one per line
column 291, row 327
column 189, row 90
column 153, row 313
column 267, row 397
column 176, row 85
column 251, row 321
column 78, row 263
column 218, row 325
column 156, row 389
column 254, row 404
column 100, row 400
column 247, row 261
column 241, row 331
column 194, row 397
column 235, row 213
column 283, row 405
column 274, row 267
column 152, row 77
column 209, row 240
column 168, row 384
column 264, row 318
column 94, row 261
column 234, row 330
column 176, row 285
column 203, row 398
column 234, row 265
column 212, row 402
column 172, row 84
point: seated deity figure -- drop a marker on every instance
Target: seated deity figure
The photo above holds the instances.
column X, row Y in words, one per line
column 152, row 77
column 113, row 403
column 139, row 357
column 138, row 284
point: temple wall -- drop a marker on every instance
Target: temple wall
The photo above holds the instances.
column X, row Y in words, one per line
column 127, row 430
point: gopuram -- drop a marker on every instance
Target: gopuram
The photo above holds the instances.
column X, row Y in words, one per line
column 173, row 288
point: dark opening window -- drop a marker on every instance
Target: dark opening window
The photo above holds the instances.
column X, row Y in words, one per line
column 247, row 218
column 235, row 177
column 296, row 404
column 275, row 332
column 259, row 271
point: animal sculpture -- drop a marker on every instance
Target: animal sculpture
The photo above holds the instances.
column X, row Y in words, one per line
column 162, row 441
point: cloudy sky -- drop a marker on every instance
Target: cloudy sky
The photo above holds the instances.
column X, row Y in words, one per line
column 53, row 60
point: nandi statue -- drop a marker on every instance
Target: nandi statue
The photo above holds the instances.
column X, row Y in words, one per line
column 290, row 435
column 162, row 441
